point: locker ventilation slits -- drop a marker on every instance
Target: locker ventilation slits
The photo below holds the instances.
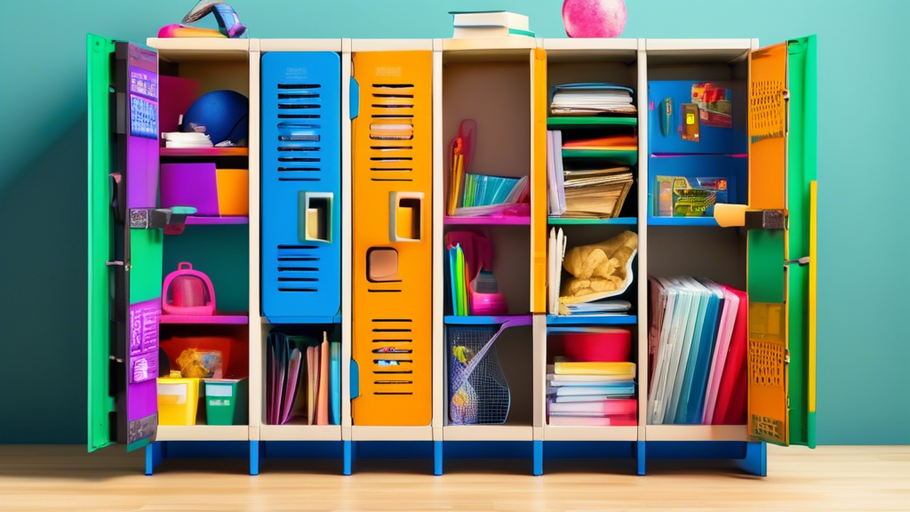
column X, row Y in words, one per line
column 299, row 269
column 392, row 132
column 299, row 134
column 393, row 356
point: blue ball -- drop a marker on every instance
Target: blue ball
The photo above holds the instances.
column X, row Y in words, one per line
column 225, row 115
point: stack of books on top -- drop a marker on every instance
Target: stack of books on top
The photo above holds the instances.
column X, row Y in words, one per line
column 490, row 24
column 594, row 394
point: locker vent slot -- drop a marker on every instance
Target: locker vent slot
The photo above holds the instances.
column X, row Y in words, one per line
column 299, row 269
column 392, row 361
column 299, row 131
column 767, row 361
column 392, row 130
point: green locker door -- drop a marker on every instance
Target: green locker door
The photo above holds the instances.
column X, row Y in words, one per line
column 125, row 244
column 781, row 284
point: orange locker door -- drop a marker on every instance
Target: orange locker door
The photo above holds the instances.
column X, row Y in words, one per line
column 392, row 217
column 539, row 109
column 767, row 248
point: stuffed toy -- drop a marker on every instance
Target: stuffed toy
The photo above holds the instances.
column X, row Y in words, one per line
column 599, row 270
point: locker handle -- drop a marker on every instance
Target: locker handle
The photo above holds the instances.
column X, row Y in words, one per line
column 355, row 379
column 355, row 99
column 315, row 216
column 405, row 216
column 813, row 277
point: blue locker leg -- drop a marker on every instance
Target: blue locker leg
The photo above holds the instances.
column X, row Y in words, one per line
column 640, row 448
column 437, row 458
column 538, row 458
column 154, row 454
column 756, row 460
column 254, row 458
column 348, row 457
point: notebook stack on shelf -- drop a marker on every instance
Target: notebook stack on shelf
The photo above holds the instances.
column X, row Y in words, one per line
column 470, row 24
column 592, row 99
column 304, row 380
column 591, row 394
column 697, row 352
column 584, row 193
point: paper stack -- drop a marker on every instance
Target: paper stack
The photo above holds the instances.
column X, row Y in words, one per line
column 592, row 99
column 490, row 24
column 303, row 380
column 591, row 394
column 587, row 193
column 697, row 352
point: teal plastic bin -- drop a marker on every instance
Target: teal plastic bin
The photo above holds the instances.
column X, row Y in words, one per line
column 227, row 401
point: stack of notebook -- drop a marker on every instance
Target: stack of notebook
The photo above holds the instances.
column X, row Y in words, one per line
column 490, row 24
column 697, row 352
column 303, row 380
column 479, row 194
column 592, row 99
column 591, row 394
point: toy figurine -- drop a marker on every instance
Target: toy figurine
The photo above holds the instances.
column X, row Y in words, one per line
column 228, row 23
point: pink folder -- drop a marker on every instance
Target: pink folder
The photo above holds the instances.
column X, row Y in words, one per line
column 730, row 396
column 721, row 349
column 322, row 403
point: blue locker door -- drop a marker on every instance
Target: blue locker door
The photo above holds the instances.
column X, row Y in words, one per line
column 301, row 186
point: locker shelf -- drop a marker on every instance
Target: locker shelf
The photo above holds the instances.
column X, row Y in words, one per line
column 555, row 320
column 486, row 320
column 216, row 221
column 696, row 433
column 218, row 319
column 507, row 432
column 626, row 433
column 203, row 152
column 393, row 433
column 203, row 433
column 620, row 221
column 296, row 431
column 561, row 123
column 488, row 221
column 682, row 221
column 624, row 157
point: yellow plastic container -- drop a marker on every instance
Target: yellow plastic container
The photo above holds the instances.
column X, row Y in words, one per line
column 178, row 400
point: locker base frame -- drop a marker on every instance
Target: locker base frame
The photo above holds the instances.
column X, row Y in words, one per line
column 751, row 457
column 157, row 452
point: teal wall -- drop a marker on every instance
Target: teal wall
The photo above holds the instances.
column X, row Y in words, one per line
column 863, row 341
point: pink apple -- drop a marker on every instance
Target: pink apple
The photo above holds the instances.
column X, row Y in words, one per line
column 594, row 18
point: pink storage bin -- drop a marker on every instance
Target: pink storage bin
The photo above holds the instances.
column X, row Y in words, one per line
column 612, row 346
column 187, row 292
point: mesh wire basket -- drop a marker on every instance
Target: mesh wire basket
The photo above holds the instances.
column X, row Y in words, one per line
column 478, row 390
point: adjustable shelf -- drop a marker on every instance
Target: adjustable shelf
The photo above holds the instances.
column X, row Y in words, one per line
column 682, row 221
column 562, row 123
column 203, row 152
column 488, row 221
column 487, row 320
column 203, row 433
column 216, row 221
column 624, row 157
column 218, row 319
column 583, row 433
column 553, row 320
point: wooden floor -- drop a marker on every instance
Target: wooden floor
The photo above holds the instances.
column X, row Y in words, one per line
column 829, row 478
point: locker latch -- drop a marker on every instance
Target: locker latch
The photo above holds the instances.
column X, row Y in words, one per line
column 156, row 218
column 802, row 262
column 766, row 219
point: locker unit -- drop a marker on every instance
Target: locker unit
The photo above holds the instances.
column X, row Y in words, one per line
column 301, row 186
column 343, row 221
column 392, row 223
